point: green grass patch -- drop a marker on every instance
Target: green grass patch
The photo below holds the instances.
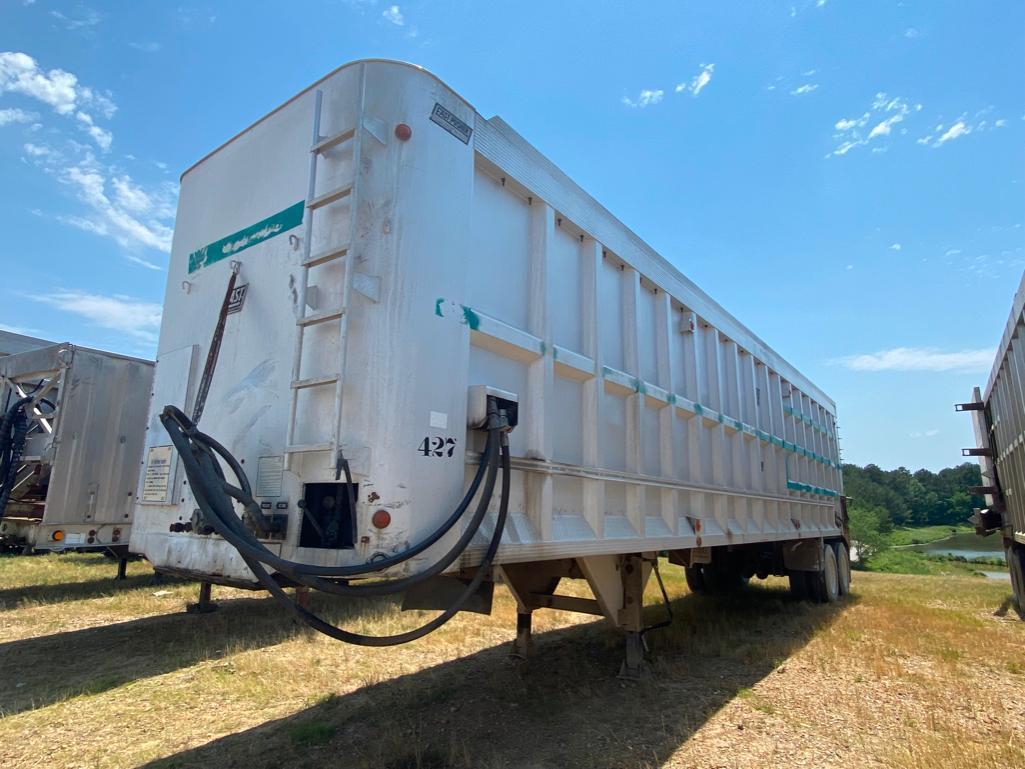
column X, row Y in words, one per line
column 920, row 535
column 312, row 733
column 912, row 562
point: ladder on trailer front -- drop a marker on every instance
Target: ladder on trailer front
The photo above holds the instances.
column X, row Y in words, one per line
column 337, row 251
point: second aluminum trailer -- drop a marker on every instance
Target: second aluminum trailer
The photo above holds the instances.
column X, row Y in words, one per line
column 358, row 277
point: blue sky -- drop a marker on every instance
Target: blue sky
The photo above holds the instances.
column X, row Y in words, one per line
column 848, row 178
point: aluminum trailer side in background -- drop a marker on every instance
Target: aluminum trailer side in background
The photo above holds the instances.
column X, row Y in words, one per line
column 11, row 343
column 74, row 486
column 412, row 251
column 998, row 418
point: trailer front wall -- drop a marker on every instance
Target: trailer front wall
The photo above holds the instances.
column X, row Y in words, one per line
column 649, row 417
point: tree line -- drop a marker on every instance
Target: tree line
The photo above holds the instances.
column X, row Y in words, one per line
column 923, row 498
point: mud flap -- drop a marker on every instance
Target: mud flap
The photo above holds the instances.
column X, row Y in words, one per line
column 442, row 592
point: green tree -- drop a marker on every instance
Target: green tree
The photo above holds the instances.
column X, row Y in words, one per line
column 867, row 537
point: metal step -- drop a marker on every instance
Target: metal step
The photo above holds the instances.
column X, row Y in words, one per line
column 329, row 197
column 302, row 384
column 326, row 256
column 320, row 317
column 305, row 448
column 333, row 141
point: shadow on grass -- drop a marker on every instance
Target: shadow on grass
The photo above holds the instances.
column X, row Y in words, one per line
column 564, row 707
column 12, row 598
column 39, row 671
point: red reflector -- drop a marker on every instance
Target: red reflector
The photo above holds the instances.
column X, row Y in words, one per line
column 403, row 132
column 381, row 519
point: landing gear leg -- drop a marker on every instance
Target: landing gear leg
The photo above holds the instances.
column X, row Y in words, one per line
column 523, row 646
column 631, row 616
column 122, row 570
column 205, row 605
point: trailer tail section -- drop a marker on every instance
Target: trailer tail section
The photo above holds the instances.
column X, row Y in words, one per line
column 70, row 447
column 373, row 279
column 998, row 418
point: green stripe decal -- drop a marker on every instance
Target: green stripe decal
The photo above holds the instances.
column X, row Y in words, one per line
column 247, row 238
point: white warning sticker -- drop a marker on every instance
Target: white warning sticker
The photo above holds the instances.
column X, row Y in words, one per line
column 157, row 481
column 269, row 473
column 439, row 419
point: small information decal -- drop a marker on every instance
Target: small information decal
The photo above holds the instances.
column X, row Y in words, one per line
column 237, row 298
column 269, row 473
column 451, row 123
column 157, row 481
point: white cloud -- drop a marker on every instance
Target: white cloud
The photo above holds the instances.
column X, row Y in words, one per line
column 803, row 89
column 952, row 252
column 957, row 130
column 88, row 18
column 925, row 434
column 131, row 216
column 697, row 83
column 912, row 33
column 117, row 312
column 21, row 74
column 16, row 116
column 884, row 114
column 920, row 359
column 645, row 99
column 850, row 266
column 895, row 246
column 145, row 47
column 40, row 151
column 393, row 14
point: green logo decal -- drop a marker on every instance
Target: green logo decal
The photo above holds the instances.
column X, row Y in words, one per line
column 250, row 236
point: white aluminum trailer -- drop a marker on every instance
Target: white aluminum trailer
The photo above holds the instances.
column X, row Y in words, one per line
column 998, row 418
column 11, row 343
column 68, row 481
column 408, row 260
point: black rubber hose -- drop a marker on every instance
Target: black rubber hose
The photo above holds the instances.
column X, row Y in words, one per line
column 188, row 440
column 227, row 524
column 400, row 638
column 13, row 430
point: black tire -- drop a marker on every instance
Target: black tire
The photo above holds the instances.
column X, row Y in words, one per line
column 1015, row 555
column 824, row 583
column 843, row 568
column 799, row 585
column 695, row 578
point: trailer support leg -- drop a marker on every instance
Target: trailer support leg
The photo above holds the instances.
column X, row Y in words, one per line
column 523, row 646
column 122, row 570
column 631, row 617
column 205, row 605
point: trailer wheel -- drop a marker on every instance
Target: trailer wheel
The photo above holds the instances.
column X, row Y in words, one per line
column 695, row 578
column 799, row 585
column 843, row 568
column 825, row 584
column 1015, row 555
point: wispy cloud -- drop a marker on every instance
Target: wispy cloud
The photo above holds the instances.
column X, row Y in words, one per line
column 61, row 90
column 883, row 114
column 920, row 359
column 116, row 312
column 699, row 82
column 801, row 90
column 911, row 33
column 83, row 19
column 145, row 47
column 895, row 246
column 16, row 116
column 394, row 14
column 644, row 99
column 944, row 132
column 924, row 433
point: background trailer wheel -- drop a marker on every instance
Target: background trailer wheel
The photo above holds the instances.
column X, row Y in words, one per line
column 1015, row 555
column 824, row 584
column 843, row 567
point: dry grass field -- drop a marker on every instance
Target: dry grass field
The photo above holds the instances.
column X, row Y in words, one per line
column 909, row 672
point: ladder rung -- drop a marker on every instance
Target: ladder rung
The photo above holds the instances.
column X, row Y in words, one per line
column 326, row 256
column 330, row 197
column 303, row 448
column 332, row 141
column 317, row 381
column 320, row 317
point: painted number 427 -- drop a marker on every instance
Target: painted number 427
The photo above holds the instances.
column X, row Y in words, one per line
column 436, row 446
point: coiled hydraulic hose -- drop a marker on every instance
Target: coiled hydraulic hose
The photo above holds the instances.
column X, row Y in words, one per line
column 214, row 495
column 13, row 429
